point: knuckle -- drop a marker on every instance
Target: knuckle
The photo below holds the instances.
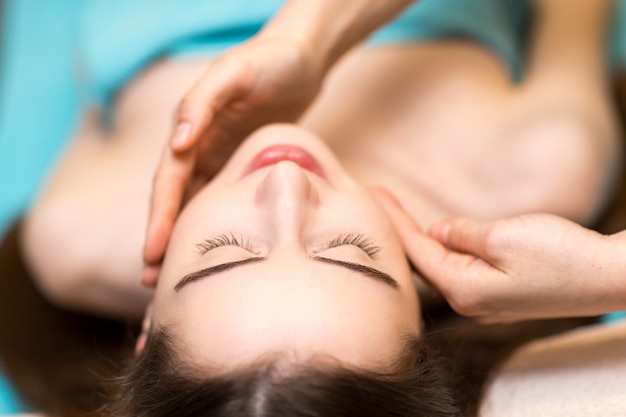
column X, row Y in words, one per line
column 495, row 237
column 467, row 301
column 463, row 307
column 462, row 302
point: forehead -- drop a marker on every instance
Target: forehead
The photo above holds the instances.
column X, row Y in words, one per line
column 284, row 278
column 264, row 309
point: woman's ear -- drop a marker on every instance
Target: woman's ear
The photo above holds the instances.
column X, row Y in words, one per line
column 146, row 325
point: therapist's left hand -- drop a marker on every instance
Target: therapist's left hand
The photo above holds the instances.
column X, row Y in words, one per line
column 526, row 267
column 264, row 80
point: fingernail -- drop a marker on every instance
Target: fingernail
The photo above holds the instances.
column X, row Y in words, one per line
column 144, row 276
column 441, row 232
column 181, row 134
column 149, row 275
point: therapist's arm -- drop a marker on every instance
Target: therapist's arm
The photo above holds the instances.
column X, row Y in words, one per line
column 526, row 267
column 271, row 78
column 327, row 28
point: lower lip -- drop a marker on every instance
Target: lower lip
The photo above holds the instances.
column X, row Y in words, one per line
column 278, row 153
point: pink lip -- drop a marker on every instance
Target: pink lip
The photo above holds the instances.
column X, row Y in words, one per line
column 278, row 153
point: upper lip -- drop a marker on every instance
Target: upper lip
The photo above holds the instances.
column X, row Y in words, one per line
column 278, row 153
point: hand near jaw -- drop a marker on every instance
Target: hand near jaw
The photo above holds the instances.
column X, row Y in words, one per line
column 527, row 267
column 267, row 79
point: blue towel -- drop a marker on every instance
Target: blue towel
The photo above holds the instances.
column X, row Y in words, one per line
column 614, row 317
column 39, row 100
column 9, row 403
column 59, row 55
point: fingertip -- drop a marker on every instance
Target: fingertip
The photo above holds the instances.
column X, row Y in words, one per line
column 383, row 195
column 150, row 275
column 441, row 231
column 151, row 246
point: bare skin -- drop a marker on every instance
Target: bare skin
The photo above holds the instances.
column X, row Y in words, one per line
column 564, row 89
column 451, row 136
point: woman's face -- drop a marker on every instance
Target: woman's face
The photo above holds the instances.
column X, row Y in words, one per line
column 283, row 252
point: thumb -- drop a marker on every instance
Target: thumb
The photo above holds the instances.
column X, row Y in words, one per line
column 447, row 269
column 463, row 235
column 428, row 255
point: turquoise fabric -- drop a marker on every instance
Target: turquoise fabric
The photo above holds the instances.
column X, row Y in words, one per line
column 501, row 25
column 86, row 50
column 118, row 38
column 614, row 317
column 9, row 403
column 39, row 96
column 59, row 55
column 618, row 35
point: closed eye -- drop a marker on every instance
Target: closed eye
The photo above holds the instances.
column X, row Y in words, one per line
column 353, row 239
column 349, row 239
column 225, row 240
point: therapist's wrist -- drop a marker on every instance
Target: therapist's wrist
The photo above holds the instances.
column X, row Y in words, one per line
column 604, row 288
column 326, row 29
column 303, row 48
column 320, row 45
column 616, row 250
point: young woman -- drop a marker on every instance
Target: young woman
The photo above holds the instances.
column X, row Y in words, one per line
column 284, row 280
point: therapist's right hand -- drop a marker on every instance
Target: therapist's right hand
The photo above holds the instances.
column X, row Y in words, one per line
column 267, row 79
column 532, row 266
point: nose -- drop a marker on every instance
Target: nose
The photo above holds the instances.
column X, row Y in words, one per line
column 287, row 198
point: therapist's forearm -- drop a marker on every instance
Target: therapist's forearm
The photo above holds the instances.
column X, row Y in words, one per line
column 328, row 28
column 568, row 44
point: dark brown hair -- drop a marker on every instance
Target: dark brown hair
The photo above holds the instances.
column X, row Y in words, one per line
column 55, row 359
column 59, row 361
column 158, row 384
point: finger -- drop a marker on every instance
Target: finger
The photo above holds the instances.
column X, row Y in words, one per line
column 168, row 192
column 150, row 275
column 463, row 235
column 439, row 265
column 224, row 82
column 464, row 280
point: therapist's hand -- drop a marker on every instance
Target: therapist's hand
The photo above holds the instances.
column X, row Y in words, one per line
column 267, row 79
column 526, row 267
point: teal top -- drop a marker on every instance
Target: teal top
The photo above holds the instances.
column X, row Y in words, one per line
column 60, row 55
column 9, row 403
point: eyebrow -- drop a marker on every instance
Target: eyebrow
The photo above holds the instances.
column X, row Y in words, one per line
column 362, row 269
column 203, row 273
column 365, row 270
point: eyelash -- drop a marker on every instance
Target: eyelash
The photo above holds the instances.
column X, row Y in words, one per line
column 224, row 240
column 352, row 239
column 358, row 240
